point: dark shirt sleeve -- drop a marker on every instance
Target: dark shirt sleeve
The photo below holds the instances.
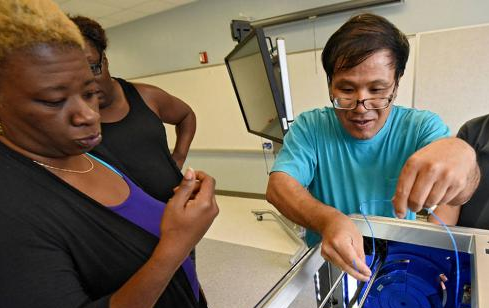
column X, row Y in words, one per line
column 475, row 213
column 38, row 272
column 463, row 133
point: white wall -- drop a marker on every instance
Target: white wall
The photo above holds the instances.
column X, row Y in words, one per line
column 452, row 74
column 171, row 40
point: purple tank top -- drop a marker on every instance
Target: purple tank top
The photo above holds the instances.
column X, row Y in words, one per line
column 146, row 212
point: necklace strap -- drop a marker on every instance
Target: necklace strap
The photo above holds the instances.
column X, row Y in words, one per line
column 104, row 163
column 68, row 170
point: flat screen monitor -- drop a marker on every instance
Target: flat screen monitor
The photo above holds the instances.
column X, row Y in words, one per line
column 256, row 86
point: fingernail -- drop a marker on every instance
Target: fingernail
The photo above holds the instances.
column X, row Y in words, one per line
column 189, row 174
column 394, row 214
column 400, row 215
column 355, row 266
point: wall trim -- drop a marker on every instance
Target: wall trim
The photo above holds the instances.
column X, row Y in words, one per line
column 240, row 194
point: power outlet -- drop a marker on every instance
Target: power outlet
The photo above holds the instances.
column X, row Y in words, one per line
column 267, row 146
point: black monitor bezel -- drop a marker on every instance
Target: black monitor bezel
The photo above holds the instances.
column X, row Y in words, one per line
column 276, row 94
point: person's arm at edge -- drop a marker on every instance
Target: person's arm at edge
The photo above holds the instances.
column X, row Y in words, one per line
column 297, row 204
column 447, row 213
column 172, row 110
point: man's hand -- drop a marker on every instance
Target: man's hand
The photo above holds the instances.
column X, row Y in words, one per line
column 342, row 242
column 443, row 172
column 342, row 245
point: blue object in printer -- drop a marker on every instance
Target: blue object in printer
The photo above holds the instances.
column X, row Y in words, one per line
column 410, row 278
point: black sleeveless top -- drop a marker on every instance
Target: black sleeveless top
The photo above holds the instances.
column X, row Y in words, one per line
column 138, row 142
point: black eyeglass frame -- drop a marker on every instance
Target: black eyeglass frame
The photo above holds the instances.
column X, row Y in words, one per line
column 97, row 67
column 362, row 101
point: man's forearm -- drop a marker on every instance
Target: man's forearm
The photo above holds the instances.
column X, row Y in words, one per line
column 297, row 204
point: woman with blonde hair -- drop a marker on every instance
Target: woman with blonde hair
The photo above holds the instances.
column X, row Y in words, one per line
column 76, row 231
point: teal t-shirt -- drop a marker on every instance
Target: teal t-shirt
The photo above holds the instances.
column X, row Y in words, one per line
column 345, row 172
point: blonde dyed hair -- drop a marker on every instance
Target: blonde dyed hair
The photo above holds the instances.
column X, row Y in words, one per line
column 27, row 23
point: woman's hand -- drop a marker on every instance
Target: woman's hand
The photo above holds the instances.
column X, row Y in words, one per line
column 189, row 214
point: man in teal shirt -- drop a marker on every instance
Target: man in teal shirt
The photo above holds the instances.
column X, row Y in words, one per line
column 346, row 172
column 364, row 150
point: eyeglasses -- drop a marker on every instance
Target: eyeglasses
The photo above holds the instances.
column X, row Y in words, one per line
column 97, row 67
column 375, row 103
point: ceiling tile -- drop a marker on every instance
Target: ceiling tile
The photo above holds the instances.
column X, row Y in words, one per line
column 60, row 1
column 124, row 4
column 155, row 6
column 126, row 15
column 87, row 8
column 107, row 22
column 114, row 12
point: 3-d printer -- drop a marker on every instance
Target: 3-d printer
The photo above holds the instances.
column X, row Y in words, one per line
column 414, row 265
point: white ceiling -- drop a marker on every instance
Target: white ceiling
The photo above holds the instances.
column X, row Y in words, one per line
column 110, row 13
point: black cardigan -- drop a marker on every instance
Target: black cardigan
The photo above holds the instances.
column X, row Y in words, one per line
column 60, row 248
